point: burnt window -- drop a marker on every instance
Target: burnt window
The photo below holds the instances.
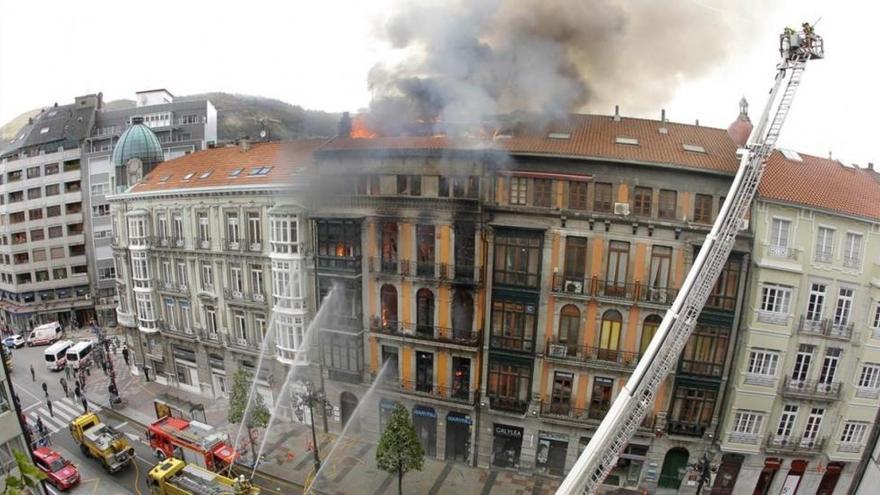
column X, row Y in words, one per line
column 425, row 312
column 360, row 185
column 459, row 187
column 642, row 201
column 600, row 399
column 424, row 371
column 517, row 259
column 560, row 398
column 513, row 325
column 443, row 187
column 575, row 257
column 415, row 185
column 375, row 188
column 462, row 314
column 388, row 315
column 706, row 351
column 543, row 192
column 402, row 185
column 473, row 186
column 388, row 246
column 577, row 195
column 339, row 243
column 723, row 296
column 465, row 240
column 425, row 244
column 703, row 208
column 668, row 204
column 604, row 197
column 509, row 385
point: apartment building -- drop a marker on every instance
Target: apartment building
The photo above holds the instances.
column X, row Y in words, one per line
column 509, row 289
column 43, row 242
column 157, row 128
column 209, row 266
column 807, row 369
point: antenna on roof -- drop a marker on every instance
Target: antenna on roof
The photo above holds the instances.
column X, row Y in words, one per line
column 617, row 113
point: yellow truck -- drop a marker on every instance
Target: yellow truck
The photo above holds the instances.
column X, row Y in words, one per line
column 102, row 442
column 176, row 477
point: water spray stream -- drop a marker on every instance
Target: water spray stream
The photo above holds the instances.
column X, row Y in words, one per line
column 250, row 400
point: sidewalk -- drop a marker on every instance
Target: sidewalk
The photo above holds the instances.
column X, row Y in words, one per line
column 352, row 469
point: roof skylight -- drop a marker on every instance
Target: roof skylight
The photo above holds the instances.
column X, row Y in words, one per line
column 260, row 171
column 205, row 174
column 164, row 178
column 188, row 176
column 626, row 140
column 44, row 130
column 696, row 148
column 235, row 172
column 791, row 155
column 559, row 135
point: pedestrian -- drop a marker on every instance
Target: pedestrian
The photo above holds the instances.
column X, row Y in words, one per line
column 125, row 355
column 77, row 391
column 64, row 387
column 33, row 374
column 85, row 404
column 49, row 405
column 41, row 429
column 104, row 367
column 67, row 371
column 46, row 389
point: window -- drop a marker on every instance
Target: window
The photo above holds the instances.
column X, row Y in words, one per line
column 775, row 299
column 33, row 172
column 829, row 365
column 255, row 230
column 285, row 283
column 517, row 258
column 51, row 168
column 649, row 328
column 642, row 201
column 609, row 335
column 518, row 190
column 779, row 234
column 211, row 321
column 233, row 234
column 509, row 385
column 667, row 204
column 257, row 280
column 802, row 363
column 852, row 250
column 56, row 232
column 513, row 325
column 661, row 263
column 236, row 281
column 207, row 277
column 692, row 410
column 235, row 172
column 816, row 302
column 338, row 239
column 415, row 185
column 853, row 432
column 52, row 190
column 575, row 259
column 604, row 197
column 843, row 309
column 106, row 273
column 177, row 227
column 814, row 423
column 560, row 398
column 786, row 421
column 706, row 350
column 204, row 227
column 53, row 211
column 35, row 214
column 569, row 324
column 616, row 271
column 34, row 193
column 747, row 423
column 762, row 362
column 425, row 250
column 870, row 376
column 181, row 273
column 37, row 235
column 59, row 273
column 703, row 208
column 388, row 247
column 600, row 399
column 875, row 319
column 283, row 234
column 543, row 193
column 100, row 189
column 240, row 328
column 101, row 210
column 824, row 245
column 424, row 371
column 577, row 195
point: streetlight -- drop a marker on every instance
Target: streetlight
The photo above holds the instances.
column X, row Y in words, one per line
column 704, row 470
column 312, row 397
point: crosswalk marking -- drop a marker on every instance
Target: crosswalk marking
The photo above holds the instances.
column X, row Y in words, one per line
column 65, row 410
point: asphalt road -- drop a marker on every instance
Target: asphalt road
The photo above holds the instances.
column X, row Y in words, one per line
column 95, row 480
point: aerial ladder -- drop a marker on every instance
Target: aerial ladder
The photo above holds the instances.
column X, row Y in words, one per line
column 796, row 48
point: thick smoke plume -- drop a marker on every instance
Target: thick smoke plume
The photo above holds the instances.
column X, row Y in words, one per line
column 467, row 60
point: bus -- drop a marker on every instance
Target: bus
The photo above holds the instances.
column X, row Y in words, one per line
column 56, row 355
column 80, row 355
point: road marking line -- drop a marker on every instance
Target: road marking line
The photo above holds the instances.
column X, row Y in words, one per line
column 24, row 389
column 51, row 420
column 35, row 404
column 121, row 425
column 67, row 409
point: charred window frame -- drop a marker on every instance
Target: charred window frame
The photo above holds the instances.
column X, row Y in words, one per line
column 402, row 185
column 518, row 259
column 703, row 208
column 339, row 243
column 543, row 194
column 465, row 250
column 415, row 185
column 668, row 204
column 642, row 199
column 603, row 202
column 705, row 351
column 425, row 250
column 513, row 325
column 342, row 352
column 375, row 185
column 577, row 195
column 443, row 186
column 459, row 187
column 388, row 246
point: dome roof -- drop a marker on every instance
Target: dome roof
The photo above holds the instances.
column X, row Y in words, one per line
column 138, row 141
column 741, row 128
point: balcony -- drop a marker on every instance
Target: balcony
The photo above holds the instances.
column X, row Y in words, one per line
column 744, row 438
column 686, row 428
column 173, row 288
column 772, row 318
column 868, row 393
column 782, row 252
column 592, row 356
column 509, row 404
column 204, row 244
column 592, row 415
column 235, row 296
column 446, row 335
column 174, row 331
column 139, row 241
column 852, row 262
column 343, row 263
column 432, row 390
column 794, row 444
column 826, row 328
column 849, row 447
column 241, row 344
column 595, row 287
column 810, row 390
column 232, row 246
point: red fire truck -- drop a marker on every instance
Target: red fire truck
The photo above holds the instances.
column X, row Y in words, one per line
column 191, row 441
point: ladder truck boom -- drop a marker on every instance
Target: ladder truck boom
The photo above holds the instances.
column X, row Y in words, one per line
column 635, row 398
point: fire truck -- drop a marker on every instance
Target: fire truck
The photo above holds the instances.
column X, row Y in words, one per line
column 192, row 441
column 176, row 477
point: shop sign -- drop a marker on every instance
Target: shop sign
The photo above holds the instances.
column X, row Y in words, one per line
column 508, row 431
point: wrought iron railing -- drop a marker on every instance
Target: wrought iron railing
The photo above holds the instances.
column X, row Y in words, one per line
column 467, row 337
column 596, row 287
column 811, row 389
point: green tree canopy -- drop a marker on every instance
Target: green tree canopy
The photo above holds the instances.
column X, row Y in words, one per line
column 28, row 476
column 399, row 449
column 258, row 416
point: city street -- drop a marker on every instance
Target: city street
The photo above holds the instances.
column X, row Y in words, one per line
column 94, row 479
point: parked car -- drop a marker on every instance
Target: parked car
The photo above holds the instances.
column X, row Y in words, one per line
column 14, row 341
column 59, row 471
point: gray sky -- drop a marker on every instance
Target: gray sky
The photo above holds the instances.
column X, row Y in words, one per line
column 317, row 54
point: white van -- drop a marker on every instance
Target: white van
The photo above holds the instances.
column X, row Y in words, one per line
column 80, row 355
column 56, row 355
column 45, row 334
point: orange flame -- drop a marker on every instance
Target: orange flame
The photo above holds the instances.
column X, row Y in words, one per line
column 359, row 129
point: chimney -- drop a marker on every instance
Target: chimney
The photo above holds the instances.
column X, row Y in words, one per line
column 663, row 129
column 344, row 126
column 663, row 115
column 55, row 105
column 617, row 113
column 874, row 166
column 244, row 143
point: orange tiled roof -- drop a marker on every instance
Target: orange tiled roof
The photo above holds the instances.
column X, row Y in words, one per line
column 284, row 158
column 821, row 183
column 592, row 136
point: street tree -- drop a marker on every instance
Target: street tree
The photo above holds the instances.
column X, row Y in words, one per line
column 255, row 417
column 399, row 449
column 26, row 480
